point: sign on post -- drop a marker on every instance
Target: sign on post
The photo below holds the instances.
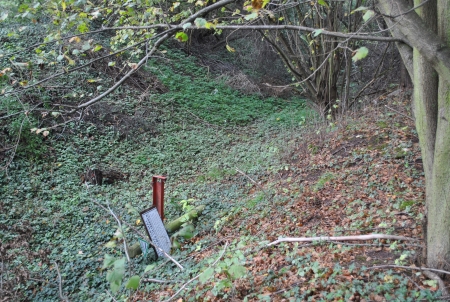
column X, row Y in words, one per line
column 156, row 231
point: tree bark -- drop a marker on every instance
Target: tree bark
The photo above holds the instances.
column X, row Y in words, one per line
column 438, row 241
column 432, row 112
column 419, row 36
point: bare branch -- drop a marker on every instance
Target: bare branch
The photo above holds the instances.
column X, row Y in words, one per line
column 351, row 36
column 411, row 268
column 196, row 277
column 64, row 298
column 342, row 238
column 120, row 226
column 126, row 76
column 441, row 283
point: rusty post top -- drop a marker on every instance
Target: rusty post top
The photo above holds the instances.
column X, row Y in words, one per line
column 160, row 177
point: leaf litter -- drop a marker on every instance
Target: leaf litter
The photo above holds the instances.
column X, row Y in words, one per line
column 350, row 180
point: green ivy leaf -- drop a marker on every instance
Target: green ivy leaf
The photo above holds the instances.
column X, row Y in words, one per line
column 83, row 27
column 133, row 283
column 206, row 275
column 360, row 54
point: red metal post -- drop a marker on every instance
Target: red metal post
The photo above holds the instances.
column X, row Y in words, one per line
column 158, row 194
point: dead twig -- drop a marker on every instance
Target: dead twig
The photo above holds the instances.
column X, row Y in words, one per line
column 196, row 277
column 341, row 238
column 64, row 298
column 120, row 227
column 253, row 181
column 149, row 280
column 411, row 268
column 396, row 111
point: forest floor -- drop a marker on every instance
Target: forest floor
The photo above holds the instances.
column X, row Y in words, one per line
column 365, row 176
column 263, row 167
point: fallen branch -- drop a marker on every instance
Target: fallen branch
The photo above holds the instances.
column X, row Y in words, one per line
column 149, row 280
column 64, row 298
column 196, row 277
column 342, row 238
column 441, row 283
column 416, row 268
column 426, row 271
column 118, row 222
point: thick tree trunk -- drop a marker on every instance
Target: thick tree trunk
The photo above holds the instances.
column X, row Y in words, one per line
column 438, row 203
column 432, row 112
column 425, row 102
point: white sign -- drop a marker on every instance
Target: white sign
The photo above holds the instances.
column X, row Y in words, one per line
column 156, row 231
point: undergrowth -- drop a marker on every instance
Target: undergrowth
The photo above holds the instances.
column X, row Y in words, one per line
column 249, row 160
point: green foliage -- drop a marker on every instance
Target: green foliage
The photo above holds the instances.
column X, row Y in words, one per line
column 360, row 54
column 116, row 273
column 133, row 283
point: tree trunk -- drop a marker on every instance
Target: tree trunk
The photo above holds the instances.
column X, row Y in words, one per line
column 438, row 203
column 425, row 101
column 432, row 111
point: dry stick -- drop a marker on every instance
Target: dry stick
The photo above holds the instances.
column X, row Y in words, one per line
column 426, row 271
column 253, row 181
column 148, row 280
column 411, row 268
column 341, row 238
column 398, row 112
column 64, row 298
column 112, row 297
column 120, row 226
column 123, row 233
column 196, row 277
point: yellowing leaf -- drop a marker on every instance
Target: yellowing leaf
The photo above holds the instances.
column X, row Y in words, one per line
column 63, row 5
column 360, row 53
column 230, row 49
column 75, row 39
column 181, row 36
column 97, row 47
column 111, row 244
